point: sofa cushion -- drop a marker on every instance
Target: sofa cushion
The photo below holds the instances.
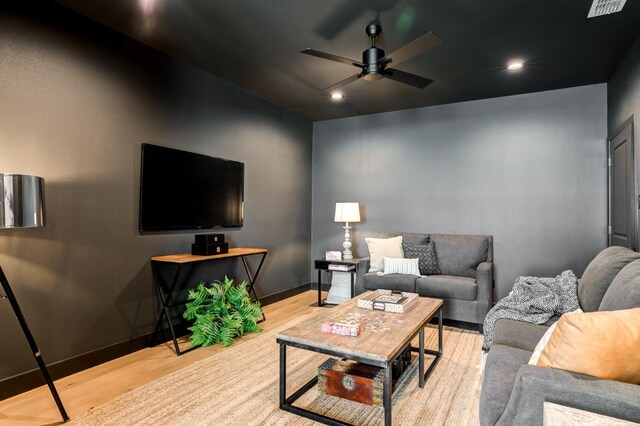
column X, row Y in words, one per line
column 447, row 287
column 517, row 334
column 600, row 273
column 500, row 374
column 395, row 282
column 409, row 238
column 426, row 253
column 624, row 291
column 381, row 247
column 599, row 344
column 460, row 254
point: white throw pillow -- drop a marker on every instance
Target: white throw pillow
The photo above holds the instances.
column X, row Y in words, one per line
column 535, row 356
column 381, row 247
column 394, row 265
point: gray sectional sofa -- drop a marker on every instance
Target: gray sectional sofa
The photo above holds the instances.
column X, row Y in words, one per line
column 466, row 280
column 513, row 392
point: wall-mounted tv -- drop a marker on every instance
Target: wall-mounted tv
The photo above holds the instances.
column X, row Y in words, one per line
column 185, row 190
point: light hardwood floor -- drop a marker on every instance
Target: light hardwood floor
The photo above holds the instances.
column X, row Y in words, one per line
column 95, row 386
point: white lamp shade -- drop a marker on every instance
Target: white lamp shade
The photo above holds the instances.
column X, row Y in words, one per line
column 347, row 212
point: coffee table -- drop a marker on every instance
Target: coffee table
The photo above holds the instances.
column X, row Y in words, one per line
column 383, row 339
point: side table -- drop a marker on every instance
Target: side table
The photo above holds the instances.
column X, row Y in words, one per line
column 323, row 265
column 166, row 291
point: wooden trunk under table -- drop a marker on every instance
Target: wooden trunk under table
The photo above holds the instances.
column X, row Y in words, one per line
column 359, row 382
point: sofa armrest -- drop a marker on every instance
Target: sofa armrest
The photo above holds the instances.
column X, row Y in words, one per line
column 535, row 385
column 484, row 281
column 363, row 267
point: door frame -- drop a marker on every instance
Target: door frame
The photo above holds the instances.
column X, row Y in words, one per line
column 631, row 121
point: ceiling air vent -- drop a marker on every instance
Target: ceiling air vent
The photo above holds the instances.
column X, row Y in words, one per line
column 605, row 7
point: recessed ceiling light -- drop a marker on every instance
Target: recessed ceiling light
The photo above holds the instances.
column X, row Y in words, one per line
column 336, row 96
column 515, row 65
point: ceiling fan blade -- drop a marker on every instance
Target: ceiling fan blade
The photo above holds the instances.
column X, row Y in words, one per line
column 343, row 82
column 420, row 45
column 407, row 78
column 331, row 57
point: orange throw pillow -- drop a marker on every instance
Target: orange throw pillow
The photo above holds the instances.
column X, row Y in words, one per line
column 599, row 344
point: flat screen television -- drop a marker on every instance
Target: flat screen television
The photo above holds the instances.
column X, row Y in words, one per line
column 185, row 190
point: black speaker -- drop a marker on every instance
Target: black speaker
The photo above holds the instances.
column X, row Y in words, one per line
column 204, row 239
column 209, row 249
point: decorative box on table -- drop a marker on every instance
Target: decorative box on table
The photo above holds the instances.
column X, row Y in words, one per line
column 359, row 382
column 386, row 300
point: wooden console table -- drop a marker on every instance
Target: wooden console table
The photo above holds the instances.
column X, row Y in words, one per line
column 165, row 292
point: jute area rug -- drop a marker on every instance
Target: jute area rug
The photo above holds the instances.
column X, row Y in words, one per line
column 240, row 387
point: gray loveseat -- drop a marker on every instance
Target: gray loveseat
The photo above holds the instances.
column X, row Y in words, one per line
column 513, row 392
column 466, row 280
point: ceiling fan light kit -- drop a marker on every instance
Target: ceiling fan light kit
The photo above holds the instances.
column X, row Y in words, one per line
column 515, row 65
column 374, row 61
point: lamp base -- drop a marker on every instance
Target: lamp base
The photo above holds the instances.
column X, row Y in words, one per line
column 346, row 253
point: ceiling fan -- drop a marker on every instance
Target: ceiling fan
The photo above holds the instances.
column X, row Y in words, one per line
column 374, row 65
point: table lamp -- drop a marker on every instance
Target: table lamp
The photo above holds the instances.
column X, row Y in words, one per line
column 22, row 206
column 347, row 212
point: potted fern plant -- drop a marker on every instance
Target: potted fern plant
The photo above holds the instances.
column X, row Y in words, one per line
column 221, row 311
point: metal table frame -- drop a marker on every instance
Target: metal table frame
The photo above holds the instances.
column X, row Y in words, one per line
column 286, row 403
column 322, row 265
column 166, row 297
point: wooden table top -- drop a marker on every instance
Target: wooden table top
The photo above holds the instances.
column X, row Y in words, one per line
column 383, row 334
column 187, row 257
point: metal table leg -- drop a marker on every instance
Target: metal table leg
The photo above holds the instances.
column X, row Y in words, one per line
column 252, row 279
column 286, row 403
column 437, row 353
column 283, row 375
column 353, row 285
column 320, row 288
column 422, row 351
column 386, row 393
column 166, row 304
column 421, row 358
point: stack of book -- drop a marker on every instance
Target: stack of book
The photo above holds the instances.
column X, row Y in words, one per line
column 341, row 267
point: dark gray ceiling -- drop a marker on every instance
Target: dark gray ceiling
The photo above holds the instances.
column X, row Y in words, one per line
column 254, row 44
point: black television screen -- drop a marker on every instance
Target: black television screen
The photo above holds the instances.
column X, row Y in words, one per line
column 184, row 190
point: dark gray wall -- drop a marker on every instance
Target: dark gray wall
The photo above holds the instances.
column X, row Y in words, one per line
column 623, row 89
column 528, row 169
column 76, row 102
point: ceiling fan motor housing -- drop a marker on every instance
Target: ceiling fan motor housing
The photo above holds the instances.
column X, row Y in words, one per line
column 372, row 69
column 374, row 61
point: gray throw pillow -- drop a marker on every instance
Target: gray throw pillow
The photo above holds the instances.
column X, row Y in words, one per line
column 624, row 291
column 600, row 273
column 427, row 257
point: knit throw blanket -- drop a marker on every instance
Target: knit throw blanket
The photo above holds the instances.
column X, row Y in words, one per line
column 534, row 300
